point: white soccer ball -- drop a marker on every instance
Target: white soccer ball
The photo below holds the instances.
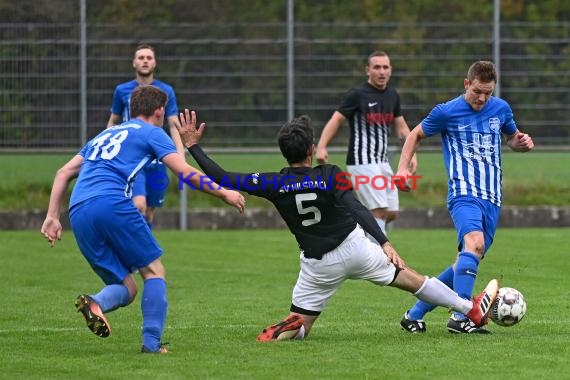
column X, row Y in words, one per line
column 509, row 307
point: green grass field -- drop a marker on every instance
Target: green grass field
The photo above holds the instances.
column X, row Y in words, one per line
column 537, row 178
column 225, row 286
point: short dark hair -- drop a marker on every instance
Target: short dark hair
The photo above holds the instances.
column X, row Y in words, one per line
column 144, row 46
column 295, row 138
column 484, row 71
column 376, row 53
column 147, row 99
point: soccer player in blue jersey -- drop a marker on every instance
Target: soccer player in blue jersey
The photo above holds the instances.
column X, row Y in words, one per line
column 471, row 126
column 145, row 196
column 111, row 233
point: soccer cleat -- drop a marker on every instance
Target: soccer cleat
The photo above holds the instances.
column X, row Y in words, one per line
column 286, row 329
column 162, row 349
column 93, row 315
column 464, row 326
column 479, row 313
column 411, row 326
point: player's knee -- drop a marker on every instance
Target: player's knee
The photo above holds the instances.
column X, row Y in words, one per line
column 408, row 280
column 153, row 270
column 475, row 244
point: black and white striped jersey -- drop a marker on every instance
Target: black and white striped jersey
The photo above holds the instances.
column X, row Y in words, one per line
column 370, row 113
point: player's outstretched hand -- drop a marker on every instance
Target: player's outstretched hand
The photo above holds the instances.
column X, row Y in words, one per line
column 393, row 256
column 189, row 134
column 235, row 199
column 51, row 229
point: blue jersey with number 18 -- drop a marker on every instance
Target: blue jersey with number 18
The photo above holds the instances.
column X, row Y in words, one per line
column 115, row 156
column 472, row 145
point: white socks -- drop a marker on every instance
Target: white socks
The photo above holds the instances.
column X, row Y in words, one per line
column 436, row 292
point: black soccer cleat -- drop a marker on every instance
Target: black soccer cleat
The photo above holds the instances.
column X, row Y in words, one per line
column 464, row 326
column 411, row 326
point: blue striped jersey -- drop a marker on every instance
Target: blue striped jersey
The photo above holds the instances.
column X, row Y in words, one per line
column 114, row 157
column 471, row 143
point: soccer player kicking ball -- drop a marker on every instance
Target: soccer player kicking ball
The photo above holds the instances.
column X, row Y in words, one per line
column 471, row 127
column 329, row 224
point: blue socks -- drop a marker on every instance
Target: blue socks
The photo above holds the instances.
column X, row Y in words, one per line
column 153, row 306
column 112, row 297
column 465, row 276
column 462, row 281
column 422, row 308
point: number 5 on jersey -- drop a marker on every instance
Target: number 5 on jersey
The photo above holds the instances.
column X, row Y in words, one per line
column 299, row 199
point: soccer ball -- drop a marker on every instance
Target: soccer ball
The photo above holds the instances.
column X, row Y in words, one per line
column 508, row 308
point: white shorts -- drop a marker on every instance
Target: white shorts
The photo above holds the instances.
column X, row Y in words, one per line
column 379, row 192
column 355, row 258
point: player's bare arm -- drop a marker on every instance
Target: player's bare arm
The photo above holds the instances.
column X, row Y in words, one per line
column 329, row 132
column 173, row 123
column 403, row 131
column 51, row 227
column 408, row 152
column 520, row 142
column 114, row 119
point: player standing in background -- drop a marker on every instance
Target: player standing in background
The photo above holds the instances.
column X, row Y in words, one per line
column 370, row 109
column 110, row 232
column 470, row 126
column 145, row 196
column 328, row 223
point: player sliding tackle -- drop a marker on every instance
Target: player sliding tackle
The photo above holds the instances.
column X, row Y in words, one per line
column 329, row 224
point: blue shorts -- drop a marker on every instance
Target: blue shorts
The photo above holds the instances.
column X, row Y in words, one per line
column 474, row 214
column 150, row 183
column 113, row 237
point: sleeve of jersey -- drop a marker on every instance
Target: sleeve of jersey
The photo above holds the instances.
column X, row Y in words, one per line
column 434, row 122
column 160, row 143
column 349, row 104
column 171, row 108
column 83, row 151
column 397, row 106
column 361, row 214
column 117, row 106
column 236, row 181
column 509, row 127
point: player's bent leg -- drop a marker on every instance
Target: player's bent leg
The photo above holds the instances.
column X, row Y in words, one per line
column 94, row 317
column 286, row 329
